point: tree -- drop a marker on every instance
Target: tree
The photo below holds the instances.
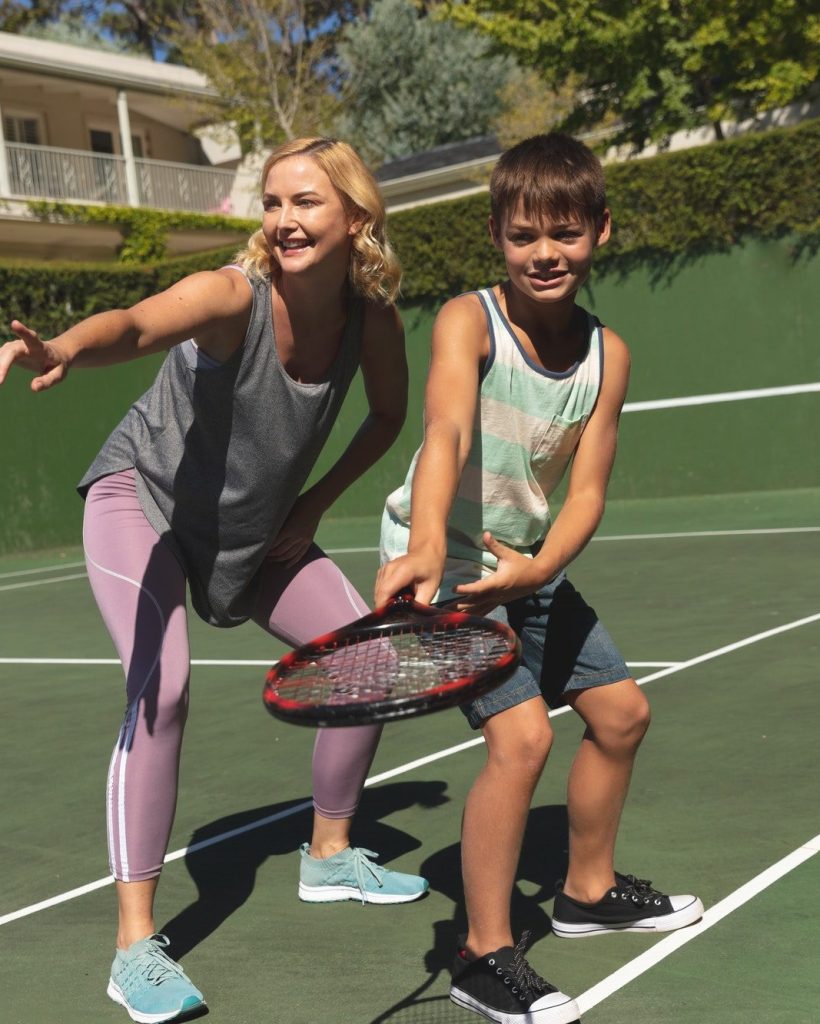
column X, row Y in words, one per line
column 658, row 66
column 75, row 32
column 130, row 25
column 270, row 62
column 412, row 82
column 529, row 107
column 146, row 26
column 15, row 15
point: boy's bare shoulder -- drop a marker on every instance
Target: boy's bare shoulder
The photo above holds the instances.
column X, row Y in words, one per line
column 614, row 346
column 465, row 308
column 464, row 315
column 461, row 328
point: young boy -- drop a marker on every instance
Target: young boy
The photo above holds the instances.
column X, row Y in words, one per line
column 522, row 382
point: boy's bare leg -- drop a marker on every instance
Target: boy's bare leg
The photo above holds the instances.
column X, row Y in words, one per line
column 617, row 717
column 495, row 815
column 136, row 911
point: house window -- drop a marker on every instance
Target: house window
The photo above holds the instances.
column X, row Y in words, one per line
column 19, row 128
column 104, row 141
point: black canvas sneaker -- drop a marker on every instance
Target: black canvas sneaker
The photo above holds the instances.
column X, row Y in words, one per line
column 503, row 987
column 632, row 905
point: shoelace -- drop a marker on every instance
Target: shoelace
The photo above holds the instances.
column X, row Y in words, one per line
column 363, row 863
column 522, row 972
column 154, row 965
column 641, row 887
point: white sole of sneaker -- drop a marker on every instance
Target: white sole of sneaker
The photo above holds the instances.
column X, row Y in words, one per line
column 687, row 915
column 337, row 893
column 115, row 992
column 564, row 1011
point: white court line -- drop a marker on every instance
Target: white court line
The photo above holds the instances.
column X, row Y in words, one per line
column 373, row 780
column 720, row 396
column 707, row 533
column 354, row 551
column 116, row 661
column 651, row 664
column 40, row 583
column 371, row 550
column 634, row 968
column 230, row 663
column 45, row 568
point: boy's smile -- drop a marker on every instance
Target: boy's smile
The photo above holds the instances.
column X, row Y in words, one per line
column 547, row 260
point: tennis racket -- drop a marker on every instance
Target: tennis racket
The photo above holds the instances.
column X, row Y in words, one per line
column 402, row 660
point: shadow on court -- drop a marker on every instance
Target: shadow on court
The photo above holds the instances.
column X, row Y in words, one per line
column 225, row 873
column 543, row 862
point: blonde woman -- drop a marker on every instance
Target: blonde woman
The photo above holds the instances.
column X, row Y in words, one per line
column 201, row 484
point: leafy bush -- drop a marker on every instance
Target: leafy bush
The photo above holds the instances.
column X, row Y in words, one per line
column 144, row 231
column 52, row 296
column 666, row 210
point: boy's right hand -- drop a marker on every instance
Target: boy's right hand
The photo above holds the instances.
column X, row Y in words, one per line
column 422, row 574
column 43, row 358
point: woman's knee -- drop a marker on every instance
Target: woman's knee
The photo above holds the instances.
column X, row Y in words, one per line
column 161, row 692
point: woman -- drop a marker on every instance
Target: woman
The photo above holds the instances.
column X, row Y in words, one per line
column 201, row 484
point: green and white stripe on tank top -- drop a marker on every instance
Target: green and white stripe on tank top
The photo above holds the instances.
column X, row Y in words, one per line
column 527, row 425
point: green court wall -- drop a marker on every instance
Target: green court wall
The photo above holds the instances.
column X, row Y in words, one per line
column 729, row 321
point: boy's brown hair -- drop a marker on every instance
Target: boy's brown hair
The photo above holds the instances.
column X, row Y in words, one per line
column 551, row 177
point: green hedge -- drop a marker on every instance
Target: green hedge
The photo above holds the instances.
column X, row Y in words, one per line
column 52, row 296
column 666, row 210
column 144, row 231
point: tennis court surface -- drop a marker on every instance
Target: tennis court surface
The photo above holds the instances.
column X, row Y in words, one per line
column 714, row 602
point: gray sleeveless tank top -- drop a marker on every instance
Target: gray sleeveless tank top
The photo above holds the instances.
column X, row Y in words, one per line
column 222, row 450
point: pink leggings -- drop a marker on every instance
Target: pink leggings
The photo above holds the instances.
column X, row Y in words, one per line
column 140, row 589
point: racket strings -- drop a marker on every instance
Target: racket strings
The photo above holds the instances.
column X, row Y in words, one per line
column 404, row 663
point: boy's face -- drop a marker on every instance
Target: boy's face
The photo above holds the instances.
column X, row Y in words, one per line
column 547, row 260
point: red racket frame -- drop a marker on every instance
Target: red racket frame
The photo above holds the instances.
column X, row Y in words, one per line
column 393, row 617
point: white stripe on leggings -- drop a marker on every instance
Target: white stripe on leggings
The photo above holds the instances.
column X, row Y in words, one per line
column 126, row 732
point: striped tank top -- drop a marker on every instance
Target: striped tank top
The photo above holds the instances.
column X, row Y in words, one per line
column 527, row 425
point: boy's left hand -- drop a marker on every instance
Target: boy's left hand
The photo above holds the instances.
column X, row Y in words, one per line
column 516, row 576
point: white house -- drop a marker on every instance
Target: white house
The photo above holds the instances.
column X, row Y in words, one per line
column 89, row 126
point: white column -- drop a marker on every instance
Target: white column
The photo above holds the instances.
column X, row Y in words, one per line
column 131, row 182
column 5, row 178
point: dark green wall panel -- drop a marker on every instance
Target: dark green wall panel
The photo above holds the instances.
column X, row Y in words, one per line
column 742, row 319
column 49, row 439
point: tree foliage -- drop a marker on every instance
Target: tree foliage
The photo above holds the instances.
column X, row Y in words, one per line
column 658, row 66
column 666, row 210
column 270, row 61
column 137, row 26
column 15, row 15
column 413, row 81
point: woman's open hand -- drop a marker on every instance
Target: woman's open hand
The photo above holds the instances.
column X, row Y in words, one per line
column 43, row 358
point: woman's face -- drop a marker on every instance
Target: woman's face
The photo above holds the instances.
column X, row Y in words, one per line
column 304, row 220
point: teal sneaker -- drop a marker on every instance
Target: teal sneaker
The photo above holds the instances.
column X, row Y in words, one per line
column 150, row 985
column 351, row 874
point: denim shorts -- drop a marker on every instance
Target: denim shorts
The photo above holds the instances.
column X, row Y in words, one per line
column 564, row 645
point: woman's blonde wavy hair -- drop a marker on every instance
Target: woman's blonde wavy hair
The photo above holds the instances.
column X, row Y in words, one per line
column 374, row 270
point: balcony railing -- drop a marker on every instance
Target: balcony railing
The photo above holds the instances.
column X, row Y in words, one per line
column 170, row 186
column 43, row 172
